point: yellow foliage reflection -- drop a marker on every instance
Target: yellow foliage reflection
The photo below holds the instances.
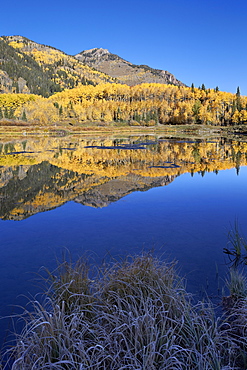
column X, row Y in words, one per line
column 48, row 172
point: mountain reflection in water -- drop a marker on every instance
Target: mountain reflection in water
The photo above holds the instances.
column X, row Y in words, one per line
column 42, row 174
column 187, row 220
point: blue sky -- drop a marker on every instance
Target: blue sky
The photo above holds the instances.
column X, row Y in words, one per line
column 198, row 41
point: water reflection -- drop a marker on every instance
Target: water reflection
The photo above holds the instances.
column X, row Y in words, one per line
column 187, row 220
column 42, row 174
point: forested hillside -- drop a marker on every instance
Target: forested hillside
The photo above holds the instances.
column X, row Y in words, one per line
column 29, row 67
column 20, row 73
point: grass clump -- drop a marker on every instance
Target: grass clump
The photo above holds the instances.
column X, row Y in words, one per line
column 135, row 314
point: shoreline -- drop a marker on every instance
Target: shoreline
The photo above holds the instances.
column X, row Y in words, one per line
column 15, row 129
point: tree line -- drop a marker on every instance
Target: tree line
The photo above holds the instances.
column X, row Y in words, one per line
column 144, row 104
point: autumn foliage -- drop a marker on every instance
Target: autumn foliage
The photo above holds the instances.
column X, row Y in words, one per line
column 145, row 104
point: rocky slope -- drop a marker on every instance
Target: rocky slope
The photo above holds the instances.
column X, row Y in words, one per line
column 126, row 72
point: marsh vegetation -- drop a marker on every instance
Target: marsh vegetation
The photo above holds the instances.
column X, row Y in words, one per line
column 133, row 314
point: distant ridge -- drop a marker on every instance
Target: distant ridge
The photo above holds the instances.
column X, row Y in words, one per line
column 117, row 67
column 29, row 67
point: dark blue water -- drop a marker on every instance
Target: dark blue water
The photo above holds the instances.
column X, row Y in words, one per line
column 187, row 220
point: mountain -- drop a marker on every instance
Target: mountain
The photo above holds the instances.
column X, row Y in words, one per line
column 126, row 72
column 29, row 67
column 114, row 189
column 32, row 189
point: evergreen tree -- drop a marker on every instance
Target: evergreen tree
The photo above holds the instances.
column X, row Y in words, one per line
column 24, row 116
column 238, row 100
column 11, row 113
column 16, row 87
column 6, row 113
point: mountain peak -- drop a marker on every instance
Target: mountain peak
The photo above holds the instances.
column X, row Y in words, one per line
column 96, row 51
column 124, row 71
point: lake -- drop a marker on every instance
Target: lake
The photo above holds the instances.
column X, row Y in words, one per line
column 109, row 197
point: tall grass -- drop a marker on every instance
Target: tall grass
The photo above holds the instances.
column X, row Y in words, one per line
column 134, row 315
column 237, row 252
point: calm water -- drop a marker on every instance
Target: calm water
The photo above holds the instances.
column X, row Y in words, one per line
column 177, row 198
